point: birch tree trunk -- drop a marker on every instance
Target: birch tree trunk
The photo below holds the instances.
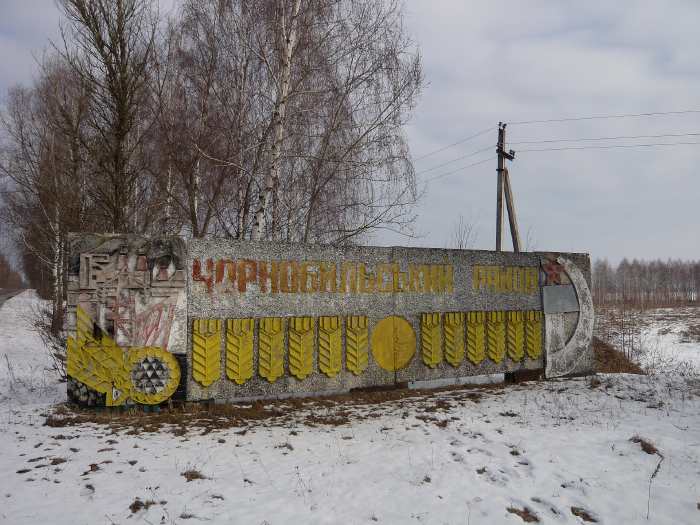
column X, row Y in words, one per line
column 289, row 38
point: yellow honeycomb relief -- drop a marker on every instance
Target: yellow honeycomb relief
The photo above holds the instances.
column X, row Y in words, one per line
column 515, row 336
column 431, row 340
column 239, row 349
column 206, row 351
column 476, row 337
column 301, row 346
column 495, row 336
column 271, row 348
column 138, row 354
column 533, row 334
column 454, row 338
column 356, row 344
column 329, row 346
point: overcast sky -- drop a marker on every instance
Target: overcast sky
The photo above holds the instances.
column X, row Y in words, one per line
column 522, row 61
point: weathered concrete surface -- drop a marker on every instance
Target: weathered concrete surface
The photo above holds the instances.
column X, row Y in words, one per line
column 133, row 288
column 254, row 320
column 571, row 354
column 126, row 318
column 209, row 300
column 559, row 299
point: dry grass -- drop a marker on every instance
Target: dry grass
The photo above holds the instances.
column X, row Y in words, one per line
column 525, row 514
column 138, row 505
column 647, row 446
column 192, row 474
column 692, row 334
column 336, row 410
column 583, row 514
column 609, row 360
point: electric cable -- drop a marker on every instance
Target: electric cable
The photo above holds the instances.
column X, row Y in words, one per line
column 462, row 141
column 611, row 146
column 436, row 177
column 493, row 146
column 620, row 137
column 594, row 117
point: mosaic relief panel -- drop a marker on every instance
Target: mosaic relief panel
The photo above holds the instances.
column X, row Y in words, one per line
column 126, row 311
column 302, row 346
column 130, row 287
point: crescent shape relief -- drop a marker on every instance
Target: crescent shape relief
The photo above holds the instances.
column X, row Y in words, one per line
column 572, row 356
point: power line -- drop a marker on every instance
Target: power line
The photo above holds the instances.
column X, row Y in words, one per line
column 455, row 160
column 462, row 141
column 594, row 117
column 567, row 119
column 607, row 138
column 460, row 169
column 568, row 148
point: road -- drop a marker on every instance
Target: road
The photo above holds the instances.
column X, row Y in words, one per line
column 7, row 294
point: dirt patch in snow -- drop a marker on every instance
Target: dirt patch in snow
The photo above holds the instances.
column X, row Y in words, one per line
column 610, row 361
column 337, row 410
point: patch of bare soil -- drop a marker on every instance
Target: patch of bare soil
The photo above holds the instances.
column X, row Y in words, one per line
column 608, row 360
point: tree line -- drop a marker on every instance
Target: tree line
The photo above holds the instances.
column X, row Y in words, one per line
column 273, row 120
column 9, row 278
column 646, row 284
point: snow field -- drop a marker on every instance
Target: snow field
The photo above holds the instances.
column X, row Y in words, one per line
column 672, row 337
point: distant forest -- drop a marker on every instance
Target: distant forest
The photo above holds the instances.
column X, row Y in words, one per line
column 646, row 283
column 9, row 278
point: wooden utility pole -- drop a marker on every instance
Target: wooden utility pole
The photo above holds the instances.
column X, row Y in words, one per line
column 510, row 204
column 499, row 195
column 505, row 187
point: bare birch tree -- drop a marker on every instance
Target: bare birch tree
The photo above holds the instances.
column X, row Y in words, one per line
column 254, row 119
column 315, row 94
column 44, row 161
column 108, row 43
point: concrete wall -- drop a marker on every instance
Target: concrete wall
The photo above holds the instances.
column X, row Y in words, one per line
column 395, row 285
column 269, row 319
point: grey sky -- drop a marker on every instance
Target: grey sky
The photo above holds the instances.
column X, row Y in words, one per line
column 521, row 61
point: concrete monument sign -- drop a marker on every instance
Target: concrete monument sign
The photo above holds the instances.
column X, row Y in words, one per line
column 220, row 319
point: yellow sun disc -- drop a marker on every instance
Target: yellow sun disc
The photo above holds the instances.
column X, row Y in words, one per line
column 393, row 343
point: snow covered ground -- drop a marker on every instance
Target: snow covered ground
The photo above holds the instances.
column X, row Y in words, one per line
column 660, row 340
column 25, row 375
column 672, row 335
column 556, row 452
